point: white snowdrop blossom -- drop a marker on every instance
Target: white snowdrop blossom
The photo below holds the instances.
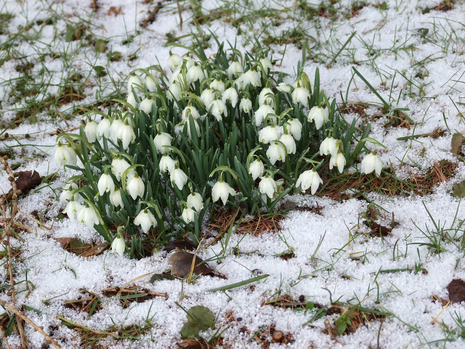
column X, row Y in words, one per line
column 88, row 216
column 131, row 99
column 103, row 128
column 195, row 201
column 268, row 134
column 174, row 61
column 105, row 184
column 234, row 69
column 72, row 208
column 178, row 178
column 266, row 64
column 174, row 91
column 151, row 83
column 146, row 105
column 116, row 199
column 309, row 179
column 161, row 140
column 288, row 142
column 231, row 95
column 251, row 77
column 217, row 108
column 134, row 82
column 176, row 76
column 218, row 85
column 188, row 215
column 301, row 95
column 256, row 169
column 261, row 113
column 276, row 151
column 207, row 97
column 283, row 87
column 195, row 73
column 268, row 186
column 65, row 155
column 115, row 129
column 370, row 163
column 145, row 219
column 118, row 245
column 246, row 106
column 187, row 124
column 166, row 164
column 266, row 97
column 118, row 166
column 319, row 115
column 189, row 110
column 135, row 186
column 329, row 146
column 67, row 193
column 127, row 135
column 91, row 131
column 222, row 190
column 295, row 127
column 339, row 160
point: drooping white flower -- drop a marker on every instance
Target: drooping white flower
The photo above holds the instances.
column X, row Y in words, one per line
column 118, row 166
column 189, row 110
column 283, row 87
column 174, row 91
column 234, row 69
column 370, row 163
column 65, row 155
column 127, row 135
column 288, row 142
column 188, row 215
column 115, row 129
column 246, row 105
column 329, row 146
column 218, row 108
column 301, row 95
column 195, row 201
column 295, row 127
column 118, row 245
column 91, row 131
column 105, row 183
column 261, row 113
column 231, row 95
column 319, row 115
column 174, row 61
column 151, row 83
column 207, row 97
column 103, row 128
column 256, row 169
column 251, row 77
column 135, row 186
column 116, row 199
column 166, row 164
column 88, row 216
column 309, row 179
column 134, row 82
column 161, row 140
column 266, row 64
column 218, row 85
column 268, row 186
column 339, row 160
column 131, row 99
column 222, row 190
column 276, row 152
column 266, row 96
column 72, row 208
column 146, row 105
column 145, row 219
column 195, row 73
column 67, row 193
column 268, row 134
column 178, row 177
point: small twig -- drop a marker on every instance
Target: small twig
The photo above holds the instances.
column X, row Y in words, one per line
column 29, row 321
column 83, row 327
column 4, row 338
column 35, row 220
column 54, row 133
column 22, row 336
column 226, row 227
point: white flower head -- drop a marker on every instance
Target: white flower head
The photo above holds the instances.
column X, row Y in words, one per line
column 246, row 105
column 266, row 97
column 231, row 96
column 234, row 69
column 251, row 77
column 178, row 177
column 339, row 160
column 174, row 91
column 146, row 105
column 161, row 140
column 189, row 110
column 261, row 113
column 195, row 73
column 72, row 208
column 135, row 186
column 295, row 127
column 151, row 83
column 266, row 64
column 145, row 219
column 218, row 85
column 218, row 108
column 207, row 97
column 65, row 155
column 195, row 201
column 118, row 166
column 276, row 151
column 88, row 216
column 103, row 128
column 167, row 164
column 283, row 87
column 174, row 61
column 67, row 193
column 309, row 179
column 115, row 129
column 127, row 135
column 268, row 134
column 116, row 199
column 289, row 143
column 105, row 184
column 188, row 215
column 222, row 190
column 268, row 186
column 91, row 131
column 301, row 95
column 370, row 163
column 319, row 115
column 256, row 169
column 118, row 245
column 329, row 146
column 134, row 82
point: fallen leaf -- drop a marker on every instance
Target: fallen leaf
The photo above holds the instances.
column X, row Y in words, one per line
column 27, row 180
column 456, row 143
column 456, row 290
column 181, row 263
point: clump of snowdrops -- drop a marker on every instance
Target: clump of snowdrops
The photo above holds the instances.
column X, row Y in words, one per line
column 219, row 130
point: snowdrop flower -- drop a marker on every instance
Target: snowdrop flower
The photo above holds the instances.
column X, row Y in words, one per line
column 67, row 193
column 105, row 183
column 318, row 114
column 145, row 219
column 195, row 73
column 118, row 166
column 189, row 110
column 176, row 76
column 72, row 208
column 127, row 135
column 189, row 62
column 118, row 245
column 246, row 106
column 218, row 85
column 195, row 201
column 134, row 81
column 131, row 99
column 174, row 61
column 309, row 179
column 88, row 216
column 161, row 140
column 103, row 128
column 283, row 87
column 268, row 134
column 188, row 215
column 222, row 190
column 174, row 91
column 339, row 160
column 256, row 169
column 295, row 127
column 166, row 164
column 178, row 178
column 151, row 83
column 268, row 186
column 234, row 69
column 276, row 151
column 370, row 163
column 217, row 108
column 65, row 155
column 329, row 146
column 135, row 186
column 266, row 64
column 251, row 77
column 146, row 105
column 231, row 95
column 207, row 97
column 288, row 142
column 261, row 113
column 115, row 129
column 301, row 95
column 266, row 96
column 116, row 199
column 91, row 131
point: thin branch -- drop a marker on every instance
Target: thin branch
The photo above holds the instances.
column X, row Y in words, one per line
column 54, row 133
